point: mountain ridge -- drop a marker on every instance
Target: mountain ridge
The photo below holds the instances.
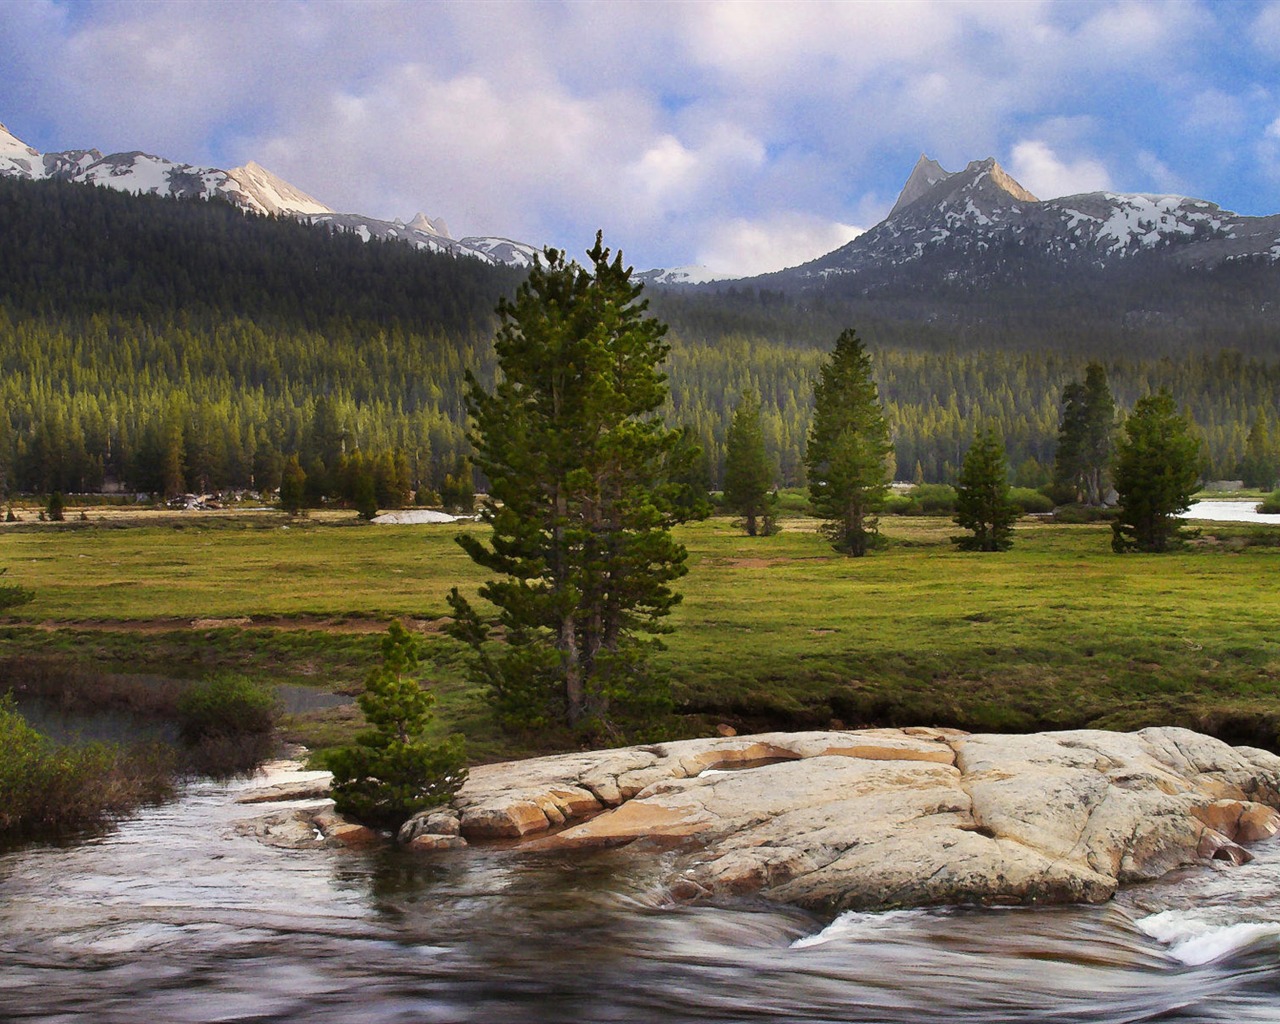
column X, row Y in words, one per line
column 251, row 187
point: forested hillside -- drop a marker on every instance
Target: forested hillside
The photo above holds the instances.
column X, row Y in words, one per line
column 165, row 346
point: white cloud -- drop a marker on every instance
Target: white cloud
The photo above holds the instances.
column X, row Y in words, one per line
column 678, row 127
column 1048, row 176
column 1266, row 30
column 743, row 247
column 1217, row 112
column 1160, row 174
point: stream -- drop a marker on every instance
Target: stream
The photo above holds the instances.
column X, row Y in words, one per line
column 172, row 917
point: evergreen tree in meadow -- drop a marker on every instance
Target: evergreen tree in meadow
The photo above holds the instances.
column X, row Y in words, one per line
column 1156, row 472
column 293, row 486
column 847, row 457
column 982, row 496
column 581, row 502
column 1086, row 437
column 749, row 473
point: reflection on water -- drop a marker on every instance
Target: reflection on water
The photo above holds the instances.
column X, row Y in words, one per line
column 1229, row 512
column 171, row 918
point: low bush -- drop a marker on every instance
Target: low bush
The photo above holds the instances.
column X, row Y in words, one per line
column 1029, row 501
column 934, row 499
column 226, row 724
column 1270, row 505
column 1076, row 514
column 50, row 790
column 226, row 705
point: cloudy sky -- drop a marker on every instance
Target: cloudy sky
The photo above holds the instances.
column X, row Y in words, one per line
column 743, row 136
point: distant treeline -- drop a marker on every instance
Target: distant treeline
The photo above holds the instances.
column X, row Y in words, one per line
column 167, row 346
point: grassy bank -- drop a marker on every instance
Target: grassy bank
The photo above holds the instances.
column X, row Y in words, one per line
column 773, row 632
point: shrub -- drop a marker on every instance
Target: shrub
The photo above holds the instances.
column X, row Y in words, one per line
column 900, row 505
column 12, row 595
column 226, row 705
column 1029, row 501
column 393, row 772
column 47, row 789
column 1270, row 504
column 57, row 509
column 226, row 724
column 934, row 499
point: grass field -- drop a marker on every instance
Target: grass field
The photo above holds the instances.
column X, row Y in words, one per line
column 773, row 632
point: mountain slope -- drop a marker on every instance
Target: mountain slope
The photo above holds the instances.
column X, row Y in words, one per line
column 251, row 187
column 981, row 222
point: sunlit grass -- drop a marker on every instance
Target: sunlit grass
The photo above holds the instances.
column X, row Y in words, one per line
column 773, row 631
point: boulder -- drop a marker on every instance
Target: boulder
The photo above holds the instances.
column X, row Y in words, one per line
column 894, row 817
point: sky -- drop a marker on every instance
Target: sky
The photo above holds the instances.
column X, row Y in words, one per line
column 740, row 136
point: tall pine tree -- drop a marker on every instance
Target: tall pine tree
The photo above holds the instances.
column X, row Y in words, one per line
column 748, row 471
column 847, row 457
column 1157, row 465
column 580, row 502
column 982, row 496
column 1086, row 437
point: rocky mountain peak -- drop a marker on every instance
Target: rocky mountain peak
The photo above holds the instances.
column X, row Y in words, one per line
column 431, row 226
column 1004, row 180
column 926, row 173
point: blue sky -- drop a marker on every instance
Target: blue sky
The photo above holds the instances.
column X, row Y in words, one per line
column 743, row 136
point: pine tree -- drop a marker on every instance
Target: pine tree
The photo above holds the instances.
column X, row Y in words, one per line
column 580, row 501
column 392, row 771
column 293, row 486
column 982, row 496
column 848, row 450
column 1157, row 465
column 1260, row 466
column 749, row 473
column 1086, row 437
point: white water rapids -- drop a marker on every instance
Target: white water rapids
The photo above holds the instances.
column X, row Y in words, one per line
column 171, row 918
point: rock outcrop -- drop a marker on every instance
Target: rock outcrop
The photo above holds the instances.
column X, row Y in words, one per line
column 887, row 817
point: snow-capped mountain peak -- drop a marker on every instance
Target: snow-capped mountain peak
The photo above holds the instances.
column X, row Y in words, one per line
column 250, row 187
column 979, row 223
column 430, row 226
column 273, row 194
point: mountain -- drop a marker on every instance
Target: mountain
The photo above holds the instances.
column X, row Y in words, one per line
column 979, row 219
column 251, row 187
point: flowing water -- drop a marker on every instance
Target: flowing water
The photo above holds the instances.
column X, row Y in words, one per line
column 173, row 918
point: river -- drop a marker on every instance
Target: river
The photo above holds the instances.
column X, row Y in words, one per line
column 172, row 918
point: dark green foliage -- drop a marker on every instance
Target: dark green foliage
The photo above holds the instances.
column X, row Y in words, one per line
column 364, row 495
column 170, row 346
column 1029, row 501
column 226, row 706
column 393, row 771
column 982, row 496
column 56, row 510
column 848, row 453
column 50, row 790
column 12, row 595
column 293, row 486
column 1156, row 472
column 458, row 492
column 582, row 496
column 1270, row 505
column 749, row 474
column 1260, row 466
column 932, row 499
column 1086, row 437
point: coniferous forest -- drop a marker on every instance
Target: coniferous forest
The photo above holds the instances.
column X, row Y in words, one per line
column 164, row 346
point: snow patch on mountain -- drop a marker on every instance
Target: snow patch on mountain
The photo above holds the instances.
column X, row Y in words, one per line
column 251, row 187
column 272, row 194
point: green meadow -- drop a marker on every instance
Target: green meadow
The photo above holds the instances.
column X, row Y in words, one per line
column 774, row 632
